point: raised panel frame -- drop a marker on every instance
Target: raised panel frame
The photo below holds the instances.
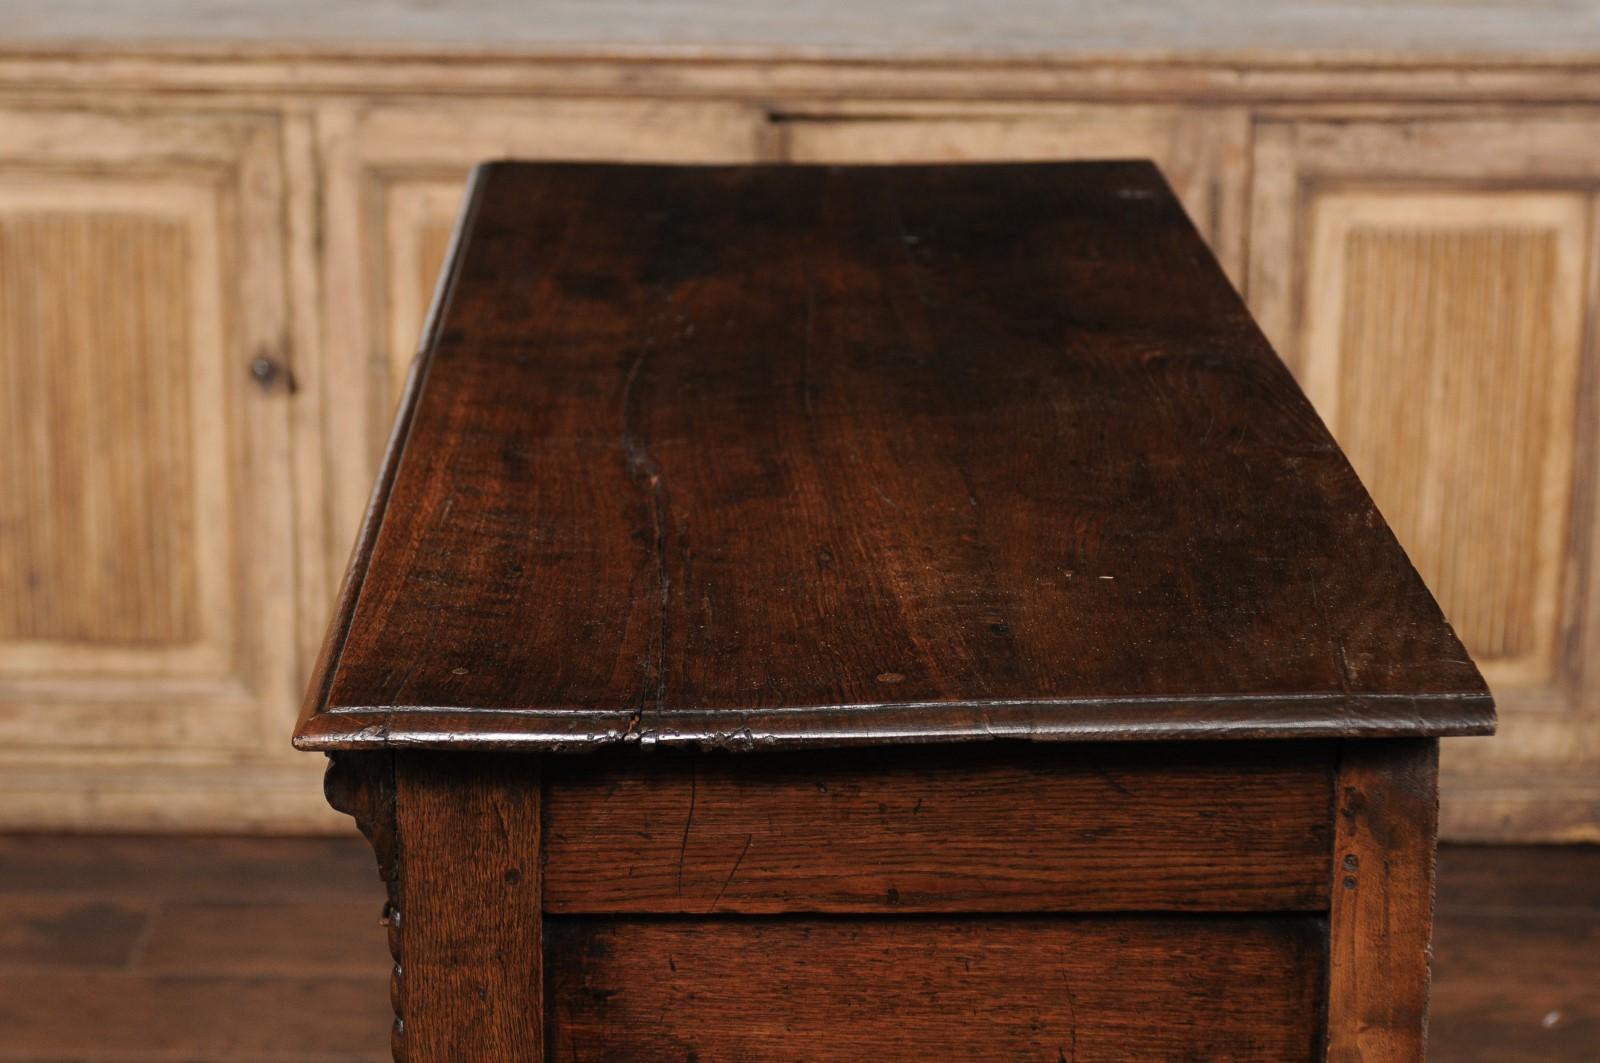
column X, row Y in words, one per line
column 1318, row 178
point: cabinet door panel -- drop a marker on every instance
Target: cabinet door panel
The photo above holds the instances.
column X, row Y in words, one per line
column 1430, row 282
column 147, row 617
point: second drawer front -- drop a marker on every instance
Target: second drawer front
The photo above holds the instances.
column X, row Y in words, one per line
column 1239, row 988
column 1197, row 827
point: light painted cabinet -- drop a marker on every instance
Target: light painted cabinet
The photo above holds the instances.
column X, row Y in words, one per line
column 1431, row 281
column 213, row 275
column 147, row 662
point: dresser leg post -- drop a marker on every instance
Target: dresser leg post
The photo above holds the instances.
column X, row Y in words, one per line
column 1381, row 917
column 470, row 980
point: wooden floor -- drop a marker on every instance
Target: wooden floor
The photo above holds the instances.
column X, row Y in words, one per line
column 140, row 949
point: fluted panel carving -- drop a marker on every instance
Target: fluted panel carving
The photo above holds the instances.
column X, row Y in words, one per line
column 97, row 510
column 1444, row 357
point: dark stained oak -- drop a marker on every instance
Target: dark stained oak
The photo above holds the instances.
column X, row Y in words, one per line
column 1381, row 918
column 468, row 981
column 787, row 609
column 1132, row 989
column 1132, row 827
column 807, row 456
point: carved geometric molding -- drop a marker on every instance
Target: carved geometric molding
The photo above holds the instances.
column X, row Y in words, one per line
column 146, row 547
column 1431, row 281
column 1441, row 344
column 1199, row 150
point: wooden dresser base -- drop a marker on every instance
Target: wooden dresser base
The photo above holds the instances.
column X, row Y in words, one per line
column 836, row 613
column 1266, row 901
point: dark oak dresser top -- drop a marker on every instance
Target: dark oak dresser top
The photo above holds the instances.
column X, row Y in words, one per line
column 751, row 457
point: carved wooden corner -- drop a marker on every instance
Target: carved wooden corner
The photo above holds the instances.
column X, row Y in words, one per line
column 361, row 785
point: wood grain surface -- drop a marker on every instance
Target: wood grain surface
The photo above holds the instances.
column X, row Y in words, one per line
column 773, row 991
column 782, row 456
column 468, row 979
column 1068, row 828
column 1381, row 922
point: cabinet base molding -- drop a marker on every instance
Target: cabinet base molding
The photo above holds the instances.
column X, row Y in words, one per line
column 157, row 797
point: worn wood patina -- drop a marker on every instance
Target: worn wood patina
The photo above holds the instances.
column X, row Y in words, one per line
column 712, row 484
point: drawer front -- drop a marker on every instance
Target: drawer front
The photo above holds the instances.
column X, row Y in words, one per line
column 1125, row 827
column 1041, row 988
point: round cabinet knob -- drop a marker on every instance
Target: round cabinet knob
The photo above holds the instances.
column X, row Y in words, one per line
column 269, row 374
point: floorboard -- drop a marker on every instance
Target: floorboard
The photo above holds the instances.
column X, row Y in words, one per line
column 1517, row 956
column 205, row 950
